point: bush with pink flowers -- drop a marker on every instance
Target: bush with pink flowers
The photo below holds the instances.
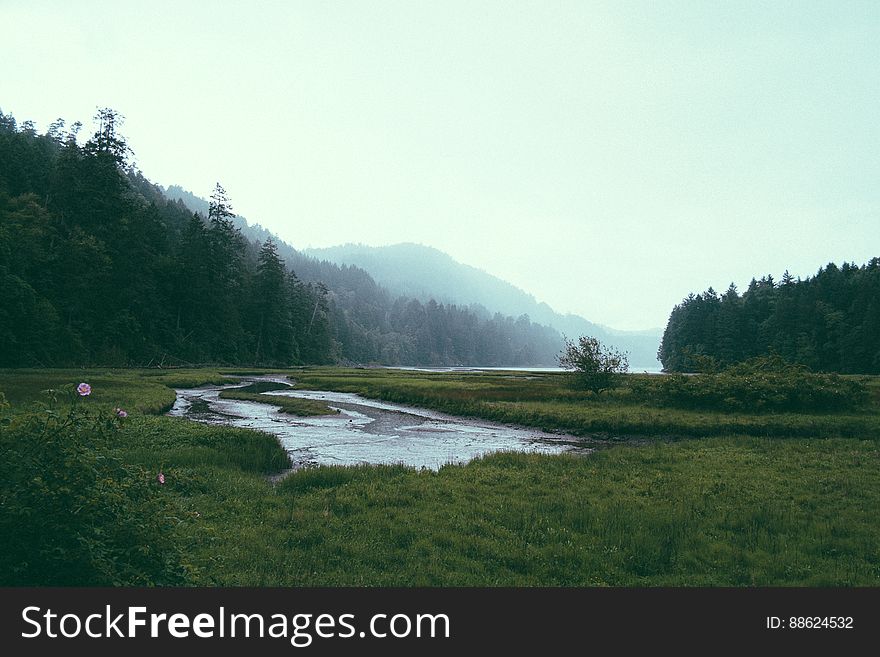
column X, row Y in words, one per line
column 72, row 512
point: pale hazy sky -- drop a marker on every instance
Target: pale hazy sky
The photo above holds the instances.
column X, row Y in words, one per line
column 607, row 157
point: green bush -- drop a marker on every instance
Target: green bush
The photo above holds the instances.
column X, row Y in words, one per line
column 596, row 367
column 71, row 513
column 766, row 383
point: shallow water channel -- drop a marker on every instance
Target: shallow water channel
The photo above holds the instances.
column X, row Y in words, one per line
column 368, row 431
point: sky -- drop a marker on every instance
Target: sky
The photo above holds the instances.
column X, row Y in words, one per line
column 606, row 157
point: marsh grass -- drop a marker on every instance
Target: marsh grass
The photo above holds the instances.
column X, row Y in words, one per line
column 264, row 386
column 139, row 391
column 718, row 512
column 157, row 442
column 290, row 405
column 733, row 510
column 549, row 402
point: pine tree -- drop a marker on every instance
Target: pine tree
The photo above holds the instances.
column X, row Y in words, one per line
column 107, row 140
column 226, row 274
column 192, row 292
column 272, row 323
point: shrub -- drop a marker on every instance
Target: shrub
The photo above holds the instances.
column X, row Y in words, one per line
column 766, row 383
column 595, row 365
column 71, row 513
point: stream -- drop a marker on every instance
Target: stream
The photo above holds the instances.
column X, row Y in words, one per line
column 367, row 430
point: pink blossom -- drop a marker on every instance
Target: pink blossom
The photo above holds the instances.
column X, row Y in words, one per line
column 120, row 413
column 84, row 389
column 161, row 478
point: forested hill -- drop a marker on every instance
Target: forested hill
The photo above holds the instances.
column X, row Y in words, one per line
column 828, row 322
column 423, row 272
column 380, row 325
column 99, row 267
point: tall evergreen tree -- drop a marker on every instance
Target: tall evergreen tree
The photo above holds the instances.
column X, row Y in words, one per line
column 271, row 312
column 226, row 280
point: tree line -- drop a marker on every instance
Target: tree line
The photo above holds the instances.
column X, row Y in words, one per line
column 99, row 267
column 828, row 322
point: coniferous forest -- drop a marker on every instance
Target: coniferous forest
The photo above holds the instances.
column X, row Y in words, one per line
column 99, row 267
column 828, row 322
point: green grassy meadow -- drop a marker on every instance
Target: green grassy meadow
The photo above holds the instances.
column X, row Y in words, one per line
column 680, row 498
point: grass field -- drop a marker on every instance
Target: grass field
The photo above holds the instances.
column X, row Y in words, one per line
column 546, row 401
column 734, row 499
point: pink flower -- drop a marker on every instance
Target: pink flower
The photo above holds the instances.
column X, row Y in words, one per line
column 120, row 413
column 84, row 389
column 161, row 478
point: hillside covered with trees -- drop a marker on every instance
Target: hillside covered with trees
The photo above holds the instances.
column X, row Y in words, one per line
column 380, row 323
column 99, row 267
column 424, row 273
column 827, row 322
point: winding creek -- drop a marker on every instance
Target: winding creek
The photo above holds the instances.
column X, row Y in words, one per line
column 367, row 430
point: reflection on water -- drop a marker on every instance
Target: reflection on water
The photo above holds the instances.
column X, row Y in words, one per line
column 369, row 431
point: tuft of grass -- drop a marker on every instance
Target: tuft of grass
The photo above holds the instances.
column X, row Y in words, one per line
column 327, row 477
column 157, row 442
column 291, row 405
column 265, row 386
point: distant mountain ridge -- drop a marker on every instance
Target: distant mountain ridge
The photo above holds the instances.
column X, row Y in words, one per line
column 424, row 272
